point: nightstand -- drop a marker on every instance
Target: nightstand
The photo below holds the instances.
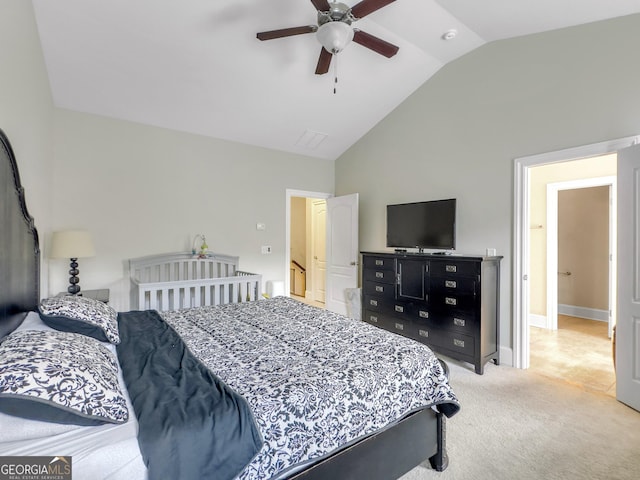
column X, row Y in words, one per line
column 102, row 295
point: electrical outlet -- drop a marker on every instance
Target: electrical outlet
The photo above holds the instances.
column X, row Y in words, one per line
column 266, row 249
column 261, row 226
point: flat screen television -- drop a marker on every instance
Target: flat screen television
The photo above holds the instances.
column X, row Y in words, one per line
column 421, row 225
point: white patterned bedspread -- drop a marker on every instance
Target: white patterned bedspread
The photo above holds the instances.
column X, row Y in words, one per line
column 315, row 380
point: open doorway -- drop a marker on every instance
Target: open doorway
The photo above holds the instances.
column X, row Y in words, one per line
column 522, row 232
column 572, row 241
column 625, row 148
column 306, row 249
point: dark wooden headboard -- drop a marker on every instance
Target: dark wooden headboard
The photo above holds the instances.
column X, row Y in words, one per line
column 19, row 246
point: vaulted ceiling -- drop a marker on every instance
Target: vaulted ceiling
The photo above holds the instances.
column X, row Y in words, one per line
column 196, row 65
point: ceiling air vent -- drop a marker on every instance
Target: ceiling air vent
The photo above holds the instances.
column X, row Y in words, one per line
column 310, row 139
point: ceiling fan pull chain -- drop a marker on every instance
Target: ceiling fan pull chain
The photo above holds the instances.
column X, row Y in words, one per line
column 335, row 73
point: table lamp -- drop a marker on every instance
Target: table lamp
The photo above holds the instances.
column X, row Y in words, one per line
column 72, row 244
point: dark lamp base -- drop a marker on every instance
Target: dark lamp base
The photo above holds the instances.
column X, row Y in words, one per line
column 74, row 280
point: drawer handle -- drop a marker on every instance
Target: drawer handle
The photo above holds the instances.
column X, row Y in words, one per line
column 379, row 263
column 399, row 326
column 450, row 301
column 458, row 343
column 451, row 268
column 399, row 309
column 373, row 303
column 423, row 314
column 451, row 284
column 379, row 288
column 459, row 322
column 379, row 274
column 373, row 318
column 424, row 333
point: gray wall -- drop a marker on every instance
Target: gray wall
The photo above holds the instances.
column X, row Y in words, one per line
column 26, row 108
column 458, row 135
column 144, row 190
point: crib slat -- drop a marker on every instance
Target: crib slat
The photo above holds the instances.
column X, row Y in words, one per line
column 196, row 297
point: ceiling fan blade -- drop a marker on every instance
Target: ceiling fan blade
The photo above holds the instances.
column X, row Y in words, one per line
column 321, row 5
column 374, row 43
column 286, row 32
column 365, row 7
column 323, row 62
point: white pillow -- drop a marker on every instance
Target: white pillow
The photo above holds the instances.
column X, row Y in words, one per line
column 77, row 314
column 60, row 377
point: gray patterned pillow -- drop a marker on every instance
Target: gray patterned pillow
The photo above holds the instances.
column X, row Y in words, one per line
column 60, row 377
column 77, row 314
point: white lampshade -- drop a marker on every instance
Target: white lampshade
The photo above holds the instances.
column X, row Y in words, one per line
column 334, row 36
column 72, row 244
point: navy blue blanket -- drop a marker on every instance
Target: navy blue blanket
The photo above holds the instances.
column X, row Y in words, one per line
column 191, row 425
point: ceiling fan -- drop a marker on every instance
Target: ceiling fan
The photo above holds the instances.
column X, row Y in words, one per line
column 334, row 30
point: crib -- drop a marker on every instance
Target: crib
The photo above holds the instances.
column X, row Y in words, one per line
column 183, row 280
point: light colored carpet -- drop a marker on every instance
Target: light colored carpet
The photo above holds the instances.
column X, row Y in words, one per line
column 516, row 424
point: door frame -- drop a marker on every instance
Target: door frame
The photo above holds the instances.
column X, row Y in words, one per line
column 521, row 234
column 553, row 190
column 289, row 193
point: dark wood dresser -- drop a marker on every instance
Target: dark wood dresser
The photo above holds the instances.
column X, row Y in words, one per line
column 449, row 302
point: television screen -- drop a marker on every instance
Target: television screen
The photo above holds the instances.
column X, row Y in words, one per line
column 421, row 225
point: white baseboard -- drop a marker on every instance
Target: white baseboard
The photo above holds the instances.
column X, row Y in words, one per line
column 583, row 312
column 537, row 320
column 506, row 356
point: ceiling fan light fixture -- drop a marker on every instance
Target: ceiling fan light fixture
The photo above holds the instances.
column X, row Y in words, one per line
column 334, row 36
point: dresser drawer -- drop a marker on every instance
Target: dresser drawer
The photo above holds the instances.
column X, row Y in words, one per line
column 379, row 275
column 457, row 342
column 452, row 301
column 456, row 285
column 453, row 267
column 374, row 318
column 463, row 322
column 420, row 313
column 379, row 263
column 398, row 325
column 384, row 290
column 402, row 309
column 425, row 332
column 387, row 322
column 453, row 341
column 376, row 303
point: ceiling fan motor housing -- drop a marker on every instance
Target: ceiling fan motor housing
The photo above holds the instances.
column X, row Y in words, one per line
column 338, row 12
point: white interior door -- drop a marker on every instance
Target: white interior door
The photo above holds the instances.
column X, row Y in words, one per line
column 628, row 322
column 342, row 250
column 318, row 249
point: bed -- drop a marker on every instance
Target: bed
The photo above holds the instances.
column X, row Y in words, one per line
column 388, row 396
